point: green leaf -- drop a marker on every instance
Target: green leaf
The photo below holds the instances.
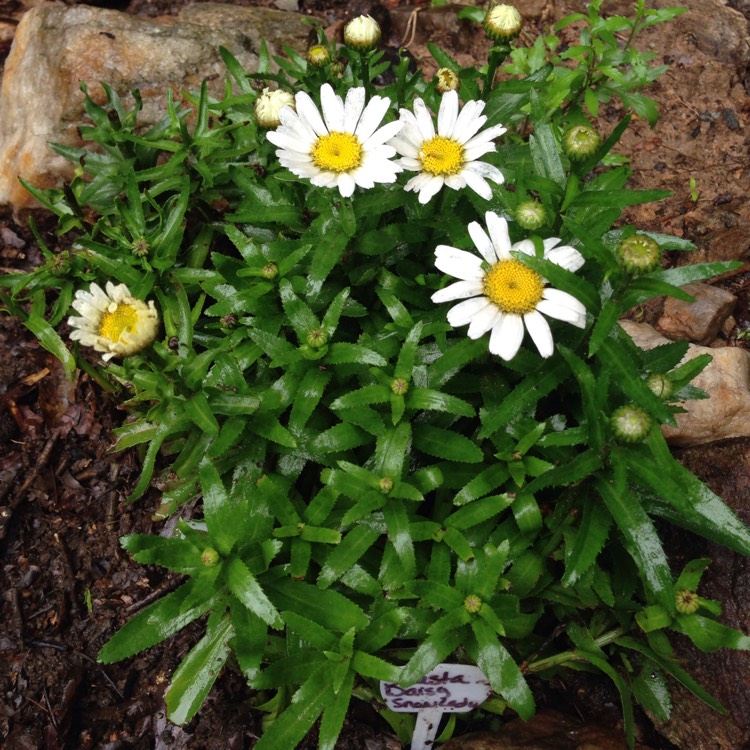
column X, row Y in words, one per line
column 52, row 342
column 435, row 441
column 392, row 450
column 432, row 400
column 250, row 641
column 502, row 671
column 291, row 726
column 652, row 692
column 243, row 584
column 590, row 539
column 342, row 353
column 709, row 635
column 346, row 554
column 170, row 552
column 199, row 411
column 433, row 650
column 198, row 671
column 641, row 540
column 328, row 608
column 334, row 714
column 161, row 619
column 543, row 144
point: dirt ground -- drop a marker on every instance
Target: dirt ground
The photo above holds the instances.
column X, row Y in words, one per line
column 67, row 585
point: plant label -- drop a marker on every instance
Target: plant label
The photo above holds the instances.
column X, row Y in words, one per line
column 449, row 688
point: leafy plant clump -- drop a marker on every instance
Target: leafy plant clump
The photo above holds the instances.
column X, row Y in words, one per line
column 382, row 488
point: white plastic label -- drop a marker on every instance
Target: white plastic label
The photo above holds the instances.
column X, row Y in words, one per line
column 449, row 688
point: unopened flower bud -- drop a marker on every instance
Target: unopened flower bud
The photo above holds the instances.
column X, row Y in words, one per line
column 362, row 33
column 386, row 485
column 639, row 254
column 472, row 603
column 140, row 248
column 317, row 338
column 209, row 557
column 446, row 80
column 337, row 67
column 400, row 386
column 268, row 106
column 630, row 423
column 531, row 215
column 660, row 385
column 686, row 602
column 228, row 321
column 270, row 271
column 318, row 55
column 503, row 23
column 580, row 142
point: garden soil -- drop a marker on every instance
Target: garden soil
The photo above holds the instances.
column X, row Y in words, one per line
column 65, row 583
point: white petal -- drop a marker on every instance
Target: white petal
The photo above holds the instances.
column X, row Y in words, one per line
column 324, row 179
column 333, row 108
column 447, row 114
column 405, row 147
column 563, row 299
column 372, row 117
column 458, row 263
column 413, row 165
column 478, row 184
column 506, row 336
column 566, row 257
column 540, row 333
column 430, row 189
column 482, row 243
column 483, row 321
column 355, row 103
column 469, row 121
column 559, row 312
column 526, row 247
column 345, row 184
column 472, row 153
column 381, row 135
column 308, row 112
column 486, row 135
column 459, row 290
column 498, row 229
column 455, row 181
column 465, row 311
column 288, row 141
column 488, row 171
column 424, row 120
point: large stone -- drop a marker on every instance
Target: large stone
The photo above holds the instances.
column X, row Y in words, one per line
column 57, row 47
column 726, row 380
column 698, row 321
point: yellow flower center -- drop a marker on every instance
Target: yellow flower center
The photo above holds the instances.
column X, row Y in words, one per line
column 441, row 156
column 337, row 152
column 115, row 322
column 513, row 287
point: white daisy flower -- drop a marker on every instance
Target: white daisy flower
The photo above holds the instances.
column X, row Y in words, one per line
column 343, row 148
column 501, row 294
column 113, row 322
column 450, row 156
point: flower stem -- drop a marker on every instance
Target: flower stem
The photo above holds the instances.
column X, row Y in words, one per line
column 573, row 654
column 496, row 58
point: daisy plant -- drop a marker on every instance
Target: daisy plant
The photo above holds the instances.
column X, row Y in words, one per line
column 313, row 297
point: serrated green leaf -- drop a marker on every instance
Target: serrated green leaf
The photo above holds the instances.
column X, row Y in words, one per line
column 243, row 584
column 435, row 441
column 590, row 538
column 709, row 635
column 197, row 673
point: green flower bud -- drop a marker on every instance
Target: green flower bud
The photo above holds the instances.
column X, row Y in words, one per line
column 209, row 557
column 362, row 33
column 446, row 80
column 660, row 385
column 472, row 603
column 316, row 338
column 229, row 321
column 386, row 485
column 531, row 215
column 580, row 142
column 318, row 56
column 140, row 247
column 630, row 423
column 686, row 602
column 639, row 254
column 270, row 271
column 337, row 68
column 400, row 386
column 503, row 23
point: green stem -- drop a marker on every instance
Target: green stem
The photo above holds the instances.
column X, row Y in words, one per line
column 574, row 654
column 496, row 58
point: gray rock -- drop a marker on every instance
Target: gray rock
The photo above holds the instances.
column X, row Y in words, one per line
column 726, row 412
column 699, row 321
column 56, row 47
